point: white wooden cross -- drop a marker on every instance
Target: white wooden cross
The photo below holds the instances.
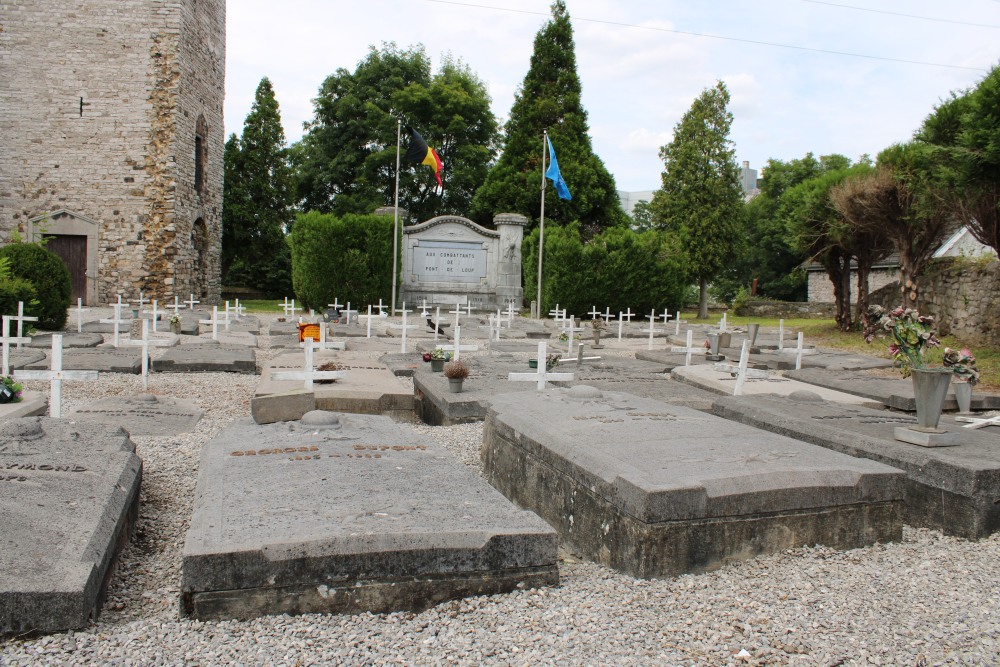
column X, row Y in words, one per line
column 308, row 372
column 155, row 313
column 55, row 376
column 621, row 320
column 191, row 303
column 368, row 333
column 594, row 313
column 6, row 340
column 145, row 342
column 978, row 422
column 652, row 330
column 381, row 307
column 457, row 348
column 493, row 324
column 142, row 299
column 579, row 355
column 457, row 313
column 120, row 303
column 510, row 314
column 556, row 313
column 323, row 343
column 570, row 329
column 21, row 319
column 404, row 326
column 781, row 335
column 607, row 315
column 677, row 324
column 117, row 321
column 176, row 305
column 239, row 309
column 79, row 315
column 215, row 322
column 290, row 312
column 468, row 307
column 687, row 349
column 741, row 373
column 351, row 314
column 541, row 375
column 335, row 305
column 666, row 315
column 423, row 309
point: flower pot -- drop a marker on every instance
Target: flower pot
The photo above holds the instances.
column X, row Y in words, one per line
column 175, row 327
column 455, row 385
column 725, row 340
column 963, row 394
column 752, row 331
column 713, row 344
column 597, row 337
column 930, row 386
column 532, row 363
column 437, row 365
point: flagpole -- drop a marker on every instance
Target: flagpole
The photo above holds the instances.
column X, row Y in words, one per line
column 541, row 226
column 395, row 221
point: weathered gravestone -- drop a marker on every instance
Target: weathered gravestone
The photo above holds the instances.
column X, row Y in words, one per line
column 69, row 497
column 653, row 489
column 723, row 382
column 145, row 414
column 952, row 489
column 102, row 359
column 349, row 513
column 207, row 356
column 895, row 392
column 70, row 339
column 32, row 403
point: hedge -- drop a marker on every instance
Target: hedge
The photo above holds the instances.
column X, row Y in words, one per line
column 48, row 275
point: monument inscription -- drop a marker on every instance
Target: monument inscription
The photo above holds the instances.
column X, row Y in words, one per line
column 450, row 261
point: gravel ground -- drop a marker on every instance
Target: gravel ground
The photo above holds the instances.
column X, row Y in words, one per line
column 928, row 600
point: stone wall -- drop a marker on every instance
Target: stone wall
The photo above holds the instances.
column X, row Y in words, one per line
column 963, row 295
column 786, row 309
column 821, row 287
column 100, row 103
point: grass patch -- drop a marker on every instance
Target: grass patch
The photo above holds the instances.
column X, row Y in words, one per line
column 263, row 305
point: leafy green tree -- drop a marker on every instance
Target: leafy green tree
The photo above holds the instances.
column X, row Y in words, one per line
column 701, row 200
column 549, row 99
column 258, row 200
column 346, row 162
column 642, row 216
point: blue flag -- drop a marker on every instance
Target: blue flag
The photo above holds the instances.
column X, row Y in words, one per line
column 553, row 173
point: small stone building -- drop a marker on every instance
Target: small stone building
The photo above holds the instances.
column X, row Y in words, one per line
column 112, row 141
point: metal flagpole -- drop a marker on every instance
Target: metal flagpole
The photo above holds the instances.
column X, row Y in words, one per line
column 541, row 226
column 395, row 221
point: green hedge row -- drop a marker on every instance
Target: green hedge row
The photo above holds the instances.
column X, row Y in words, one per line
column 617, row 269
column 347, row 258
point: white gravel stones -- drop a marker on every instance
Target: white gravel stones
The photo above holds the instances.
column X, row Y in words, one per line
column 928, row 600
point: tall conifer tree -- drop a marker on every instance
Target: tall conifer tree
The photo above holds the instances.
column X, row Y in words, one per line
column 549, row 99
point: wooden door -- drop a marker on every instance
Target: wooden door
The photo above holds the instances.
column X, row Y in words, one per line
column 73, row 251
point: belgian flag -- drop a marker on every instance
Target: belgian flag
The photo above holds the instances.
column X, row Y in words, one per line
column 420, row 153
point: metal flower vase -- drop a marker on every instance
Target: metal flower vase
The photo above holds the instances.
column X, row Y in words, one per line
column 455, row 385
column 930, row 386
column 752, row 331
column 963, row 395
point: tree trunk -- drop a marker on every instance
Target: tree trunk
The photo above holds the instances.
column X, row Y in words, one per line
column 837, row 263
column 908, row 273
column 864, row 269
column 845, row 293
column 703, row 299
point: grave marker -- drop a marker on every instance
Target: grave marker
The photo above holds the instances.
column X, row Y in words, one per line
column 652, row 330
column 21, row 318
column 621, row 320
column 6, row 341
column 116, row 322
column 55, row 377
column 79, row 315
column 145, row 343
column 404, row 326
column 308, row 374
column 191, row 303
column 687, row 349
column 541, row 376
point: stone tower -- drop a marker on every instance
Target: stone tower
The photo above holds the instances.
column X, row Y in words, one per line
column 111, row 140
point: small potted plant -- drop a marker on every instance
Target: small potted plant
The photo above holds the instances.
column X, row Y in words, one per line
column 10, row 390
column 438, row 358
column 965, row 375
column 596, row 325
column 551, row 361
column 175, row 323
column 456, row 372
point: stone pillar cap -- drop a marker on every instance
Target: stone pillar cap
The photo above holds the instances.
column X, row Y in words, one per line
column 510, row 219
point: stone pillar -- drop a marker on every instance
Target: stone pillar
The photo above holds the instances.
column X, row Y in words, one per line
column 509, row 287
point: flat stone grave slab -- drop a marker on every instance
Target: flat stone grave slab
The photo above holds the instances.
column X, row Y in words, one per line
column 105, row 328
column 246, row 324
column 654, row 489
column 895, row 391
column 668, row 361
column 354, row 514
column 69, row 498
column 21, row 358
column 32, row 403
column 145, row 414
column 104, row 359
column 722, row 382
column 277, row 328
column 229, row 337
column 206, row 356
column 952, row 489
column 404, row 365
column 70, row 339
column 369, row 387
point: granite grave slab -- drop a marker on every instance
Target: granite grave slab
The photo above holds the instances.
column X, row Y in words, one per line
column 952, row 489
column 723, row 382
column 69, row 498
column 104, row 359
column 24, row 357
column 895, row 392
column 32, row 403
column 654, row 489
column 347, row 514
column 207, row 356
column 145, row 414
column 70, row 339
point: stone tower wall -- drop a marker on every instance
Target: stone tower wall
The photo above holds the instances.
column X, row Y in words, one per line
column 100, row 101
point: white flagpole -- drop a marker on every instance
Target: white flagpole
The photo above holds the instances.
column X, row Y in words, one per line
column 541, row 225
column 395, row 222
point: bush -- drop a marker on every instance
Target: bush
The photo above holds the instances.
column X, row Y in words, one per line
column 50, row 278
column 13, row 290
column 347, row 258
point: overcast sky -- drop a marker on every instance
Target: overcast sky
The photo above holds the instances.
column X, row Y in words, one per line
column 642, row 63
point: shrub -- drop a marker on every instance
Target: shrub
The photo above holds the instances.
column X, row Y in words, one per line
column 50, row 278
column 456, row 370
column 13, row 290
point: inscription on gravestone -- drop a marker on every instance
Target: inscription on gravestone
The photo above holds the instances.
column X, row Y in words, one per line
column 450, row 261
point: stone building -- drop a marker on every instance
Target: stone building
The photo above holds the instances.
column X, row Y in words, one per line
column 111, row 140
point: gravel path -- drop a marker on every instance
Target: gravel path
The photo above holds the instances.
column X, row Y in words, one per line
column 928, row 600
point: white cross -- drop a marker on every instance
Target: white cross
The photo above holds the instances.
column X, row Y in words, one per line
column 55, row 376
column 570, row 329
column 607, row 315
column 368, row 333
column 239, row 309
column 284, row 306
column 155, row 313
column 21, row 319
column 142, row 299
column 652, row 330
column 79, row 315
column 510, row 314
column 457, row 348
column 556, row 313
column 335, row 305
column 741, row 374
column 191, row 303
column 541, row 375
column 381, row 307
column 215, row 322
column 781, row 335
column 117, row 321
column 457, row 313
column 404, row 326
column 579, row 355
column 976, row 422
column 292, row 309
column 622, row 317
column 423, row 309
column 687, row 349
column 323, row 343
column 145, row 342
column 176, row 305
column 666, row 315
column 6, row 340
column 120, row 303
column 798, row 353
column 468, row 308
column 677, row 324
column 437, row 322
column 226, row 316
column 308, row 372
column 594, row 313
column 492, row 324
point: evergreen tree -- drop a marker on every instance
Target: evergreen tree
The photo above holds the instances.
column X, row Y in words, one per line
column 549, row 99
column 258, row 201
column 701, row 201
